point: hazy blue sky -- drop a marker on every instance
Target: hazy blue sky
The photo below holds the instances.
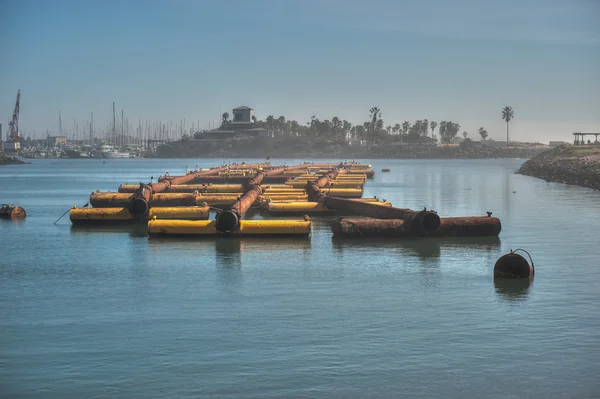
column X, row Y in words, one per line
column 435, row 59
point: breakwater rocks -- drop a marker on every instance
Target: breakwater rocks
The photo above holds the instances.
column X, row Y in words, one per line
column 276, row 148
column 577, row 165
column 6, row 160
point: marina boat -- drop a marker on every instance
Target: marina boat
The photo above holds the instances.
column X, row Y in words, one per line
column 108, row 151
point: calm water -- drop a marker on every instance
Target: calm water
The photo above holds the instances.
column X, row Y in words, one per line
column 109, row 313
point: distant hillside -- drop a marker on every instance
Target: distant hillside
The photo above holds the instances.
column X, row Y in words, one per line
column 578, row 165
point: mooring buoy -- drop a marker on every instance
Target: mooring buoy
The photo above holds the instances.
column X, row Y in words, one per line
column 10, row 211
column 513, row 265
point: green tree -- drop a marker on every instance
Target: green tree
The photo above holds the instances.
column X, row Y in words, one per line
column 396, row 128
column 465, row 134
column 405, row 127
column 483, row 133
column 507, row 115
column 375, row 114
column 225, row 117
column 433, row 125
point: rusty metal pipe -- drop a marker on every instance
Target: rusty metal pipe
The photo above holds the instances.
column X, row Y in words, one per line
column 228, row 220
column 421, row 222
column 140, row 203
column 449, row 227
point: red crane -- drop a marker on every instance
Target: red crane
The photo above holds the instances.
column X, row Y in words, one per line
column 13, row 125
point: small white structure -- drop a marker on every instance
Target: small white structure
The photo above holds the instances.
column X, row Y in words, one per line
column 12, row 147
column 243, row 114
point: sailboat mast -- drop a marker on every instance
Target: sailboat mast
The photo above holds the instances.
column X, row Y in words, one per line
column 114, row 126
column 122, row 129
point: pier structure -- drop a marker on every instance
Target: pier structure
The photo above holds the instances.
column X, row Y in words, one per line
column 579, row 138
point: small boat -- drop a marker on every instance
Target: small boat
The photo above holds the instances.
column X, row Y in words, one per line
column 385, row 169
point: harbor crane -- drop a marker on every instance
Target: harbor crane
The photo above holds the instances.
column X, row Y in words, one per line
column 13, row 125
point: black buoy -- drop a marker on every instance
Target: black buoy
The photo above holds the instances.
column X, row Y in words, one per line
column 513, row 265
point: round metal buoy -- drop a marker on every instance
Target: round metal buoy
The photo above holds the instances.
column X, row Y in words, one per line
column 513, row 265
column 10, row 211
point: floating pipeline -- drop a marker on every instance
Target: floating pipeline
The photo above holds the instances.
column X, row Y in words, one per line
column 336, row 183
column 305, row 208
column 120, row 200
column 419, row 222
column 96, row 216
column 343, row 192
column 140, row 201
column 287, row 200
column 9, row 211
column 485, row 226
column 237, row 179
column 211, row 188
column 174, row 228
column 229, row 219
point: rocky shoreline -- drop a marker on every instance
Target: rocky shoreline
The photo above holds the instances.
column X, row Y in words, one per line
column 576, row 165
column 233, row 149
column 6, row 160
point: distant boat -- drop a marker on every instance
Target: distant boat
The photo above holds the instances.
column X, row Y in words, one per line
column 108, row 151
column 385, row 169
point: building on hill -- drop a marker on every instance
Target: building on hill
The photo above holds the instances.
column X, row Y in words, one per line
column 242, row 125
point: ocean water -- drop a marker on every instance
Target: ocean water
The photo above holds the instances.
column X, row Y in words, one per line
column 106, row 312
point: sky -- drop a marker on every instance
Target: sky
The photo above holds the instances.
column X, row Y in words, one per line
column 194, row 59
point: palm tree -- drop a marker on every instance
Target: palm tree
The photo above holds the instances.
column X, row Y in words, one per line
column 507, row 115
column 483, row 133
column 225, row 117
column 375, row 113
column 433, row 125
column 465, row 134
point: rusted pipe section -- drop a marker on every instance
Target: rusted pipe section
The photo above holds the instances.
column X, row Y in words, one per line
column 313, row 188
column 420, row 222
column 229, row 220
column 9, row 211
column 140, row 203
column 255, row 181
column 449, row 227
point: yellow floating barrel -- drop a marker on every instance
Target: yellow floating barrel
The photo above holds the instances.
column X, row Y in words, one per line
column 343, row 192
column 115, row 215
column 305, row 208
column 295, row 197
column 349, row 184
column 247, row 228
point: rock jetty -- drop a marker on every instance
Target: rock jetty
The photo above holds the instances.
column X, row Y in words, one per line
column 577, row 165
column 6, row 160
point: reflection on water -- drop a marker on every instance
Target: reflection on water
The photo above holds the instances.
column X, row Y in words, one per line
column 513, row 289
column 134, row 229
column 421, row 247
column 228, row 252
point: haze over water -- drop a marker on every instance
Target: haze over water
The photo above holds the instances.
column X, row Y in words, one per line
column 106, row 312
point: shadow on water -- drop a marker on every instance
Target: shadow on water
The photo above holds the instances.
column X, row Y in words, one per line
column 421, row 247
column 513, row 290
column 134, row 230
